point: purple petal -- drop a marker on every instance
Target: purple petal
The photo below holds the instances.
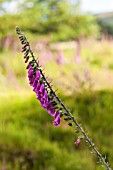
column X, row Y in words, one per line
column 30, row 68
column 39, row 97
column 42, row 88
column 35, row 83
column 45, row 102
column 36, row 90
column 45, row 96
column 31, row 81
column 52, row 111
column 38, row 74
column 49, row 106
column 30, row 73
column 56, row 121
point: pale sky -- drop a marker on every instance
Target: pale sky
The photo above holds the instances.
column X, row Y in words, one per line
column 94, row 6
column 97, row 6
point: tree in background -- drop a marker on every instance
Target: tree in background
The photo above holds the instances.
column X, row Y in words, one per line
column 57, row 18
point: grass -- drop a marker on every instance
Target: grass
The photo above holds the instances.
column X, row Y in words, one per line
column 28, row 138
column 96, row 57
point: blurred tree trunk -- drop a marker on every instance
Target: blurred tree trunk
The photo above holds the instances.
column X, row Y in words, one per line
column 78, row 51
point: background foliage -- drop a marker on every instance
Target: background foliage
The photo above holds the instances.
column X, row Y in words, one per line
column 80, row 66
column 55, row 18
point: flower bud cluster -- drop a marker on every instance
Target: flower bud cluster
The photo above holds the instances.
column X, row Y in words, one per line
column 39, row 88
column 45, row 94
column 36, row 80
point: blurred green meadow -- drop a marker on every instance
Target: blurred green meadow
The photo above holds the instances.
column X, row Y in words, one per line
column 28, row 138
column 76, row 52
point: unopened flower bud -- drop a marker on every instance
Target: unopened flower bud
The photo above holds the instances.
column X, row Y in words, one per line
column 70, row 124
column 77, row 142
column 24, row 49
column 27, row 58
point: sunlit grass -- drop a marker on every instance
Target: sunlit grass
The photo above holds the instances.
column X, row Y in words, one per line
column 26, row 128
column 96, row 56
